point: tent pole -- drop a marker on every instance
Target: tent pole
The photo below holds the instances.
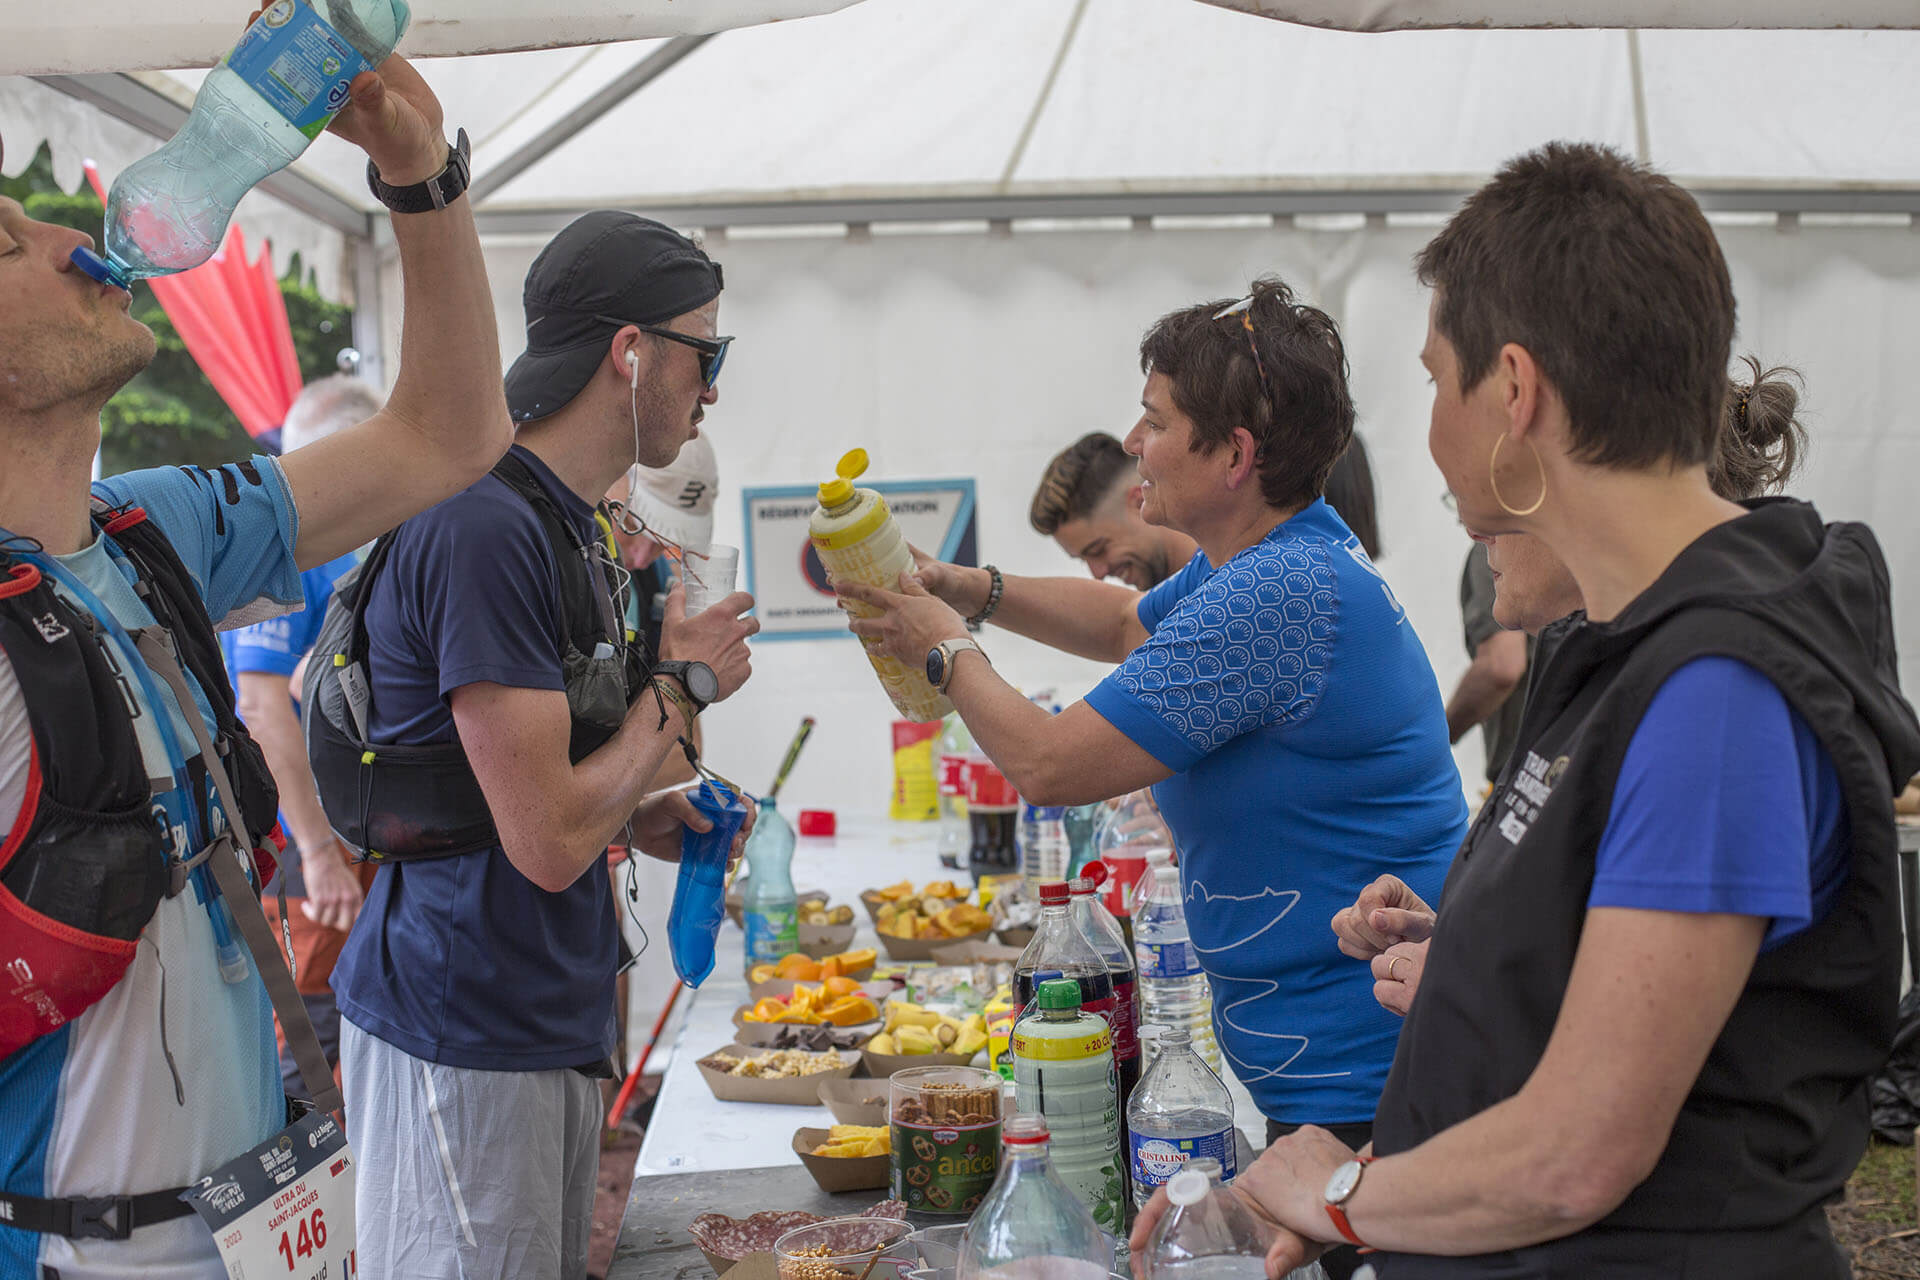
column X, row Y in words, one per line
column 369, row 336
column 1642, row 147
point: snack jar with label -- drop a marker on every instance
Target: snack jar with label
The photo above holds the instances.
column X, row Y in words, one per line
column 945, row 1128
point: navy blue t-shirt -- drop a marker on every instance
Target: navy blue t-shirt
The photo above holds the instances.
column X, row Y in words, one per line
column 463, row 960
column 1288, row 690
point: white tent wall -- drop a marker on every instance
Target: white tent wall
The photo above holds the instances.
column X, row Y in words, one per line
column 977, row 355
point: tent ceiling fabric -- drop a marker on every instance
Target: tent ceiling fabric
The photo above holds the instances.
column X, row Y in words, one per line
column 135, row 35
column 1411, row 15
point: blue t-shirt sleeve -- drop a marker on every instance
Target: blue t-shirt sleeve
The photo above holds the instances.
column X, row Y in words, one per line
column 274, row 647
column 1249, row 647
column 482, row 583
column 1158, row 600
column 1725, row 802
column 233, row 527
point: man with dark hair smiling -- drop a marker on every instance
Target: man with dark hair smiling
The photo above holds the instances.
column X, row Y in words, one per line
column 1089, row 502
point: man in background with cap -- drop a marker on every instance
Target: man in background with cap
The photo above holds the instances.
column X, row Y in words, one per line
column 476, row 993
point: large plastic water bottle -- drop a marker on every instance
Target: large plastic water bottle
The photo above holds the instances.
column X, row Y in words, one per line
column 1063, row 1069
column 1098, row 927
column 1181, row 1112
column 857, row 539
column 1173, row 987
column 1043, row 842
column 1208, row 1233
column 1031, row 1226
column 269, row 98
column 950, row 770
column 770, row 909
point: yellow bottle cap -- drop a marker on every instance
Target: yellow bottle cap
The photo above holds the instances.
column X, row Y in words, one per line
column 837, row 492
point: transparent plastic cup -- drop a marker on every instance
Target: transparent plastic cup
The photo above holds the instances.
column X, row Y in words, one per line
column 710, row 574
column 846, row 1249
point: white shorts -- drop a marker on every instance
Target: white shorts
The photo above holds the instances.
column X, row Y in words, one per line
column 466, row 1174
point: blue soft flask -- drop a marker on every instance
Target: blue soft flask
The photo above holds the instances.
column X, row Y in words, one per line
column 699, row 900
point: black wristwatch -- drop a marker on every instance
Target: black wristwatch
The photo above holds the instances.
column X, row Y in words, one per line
column 436, row 192
column 696, row 678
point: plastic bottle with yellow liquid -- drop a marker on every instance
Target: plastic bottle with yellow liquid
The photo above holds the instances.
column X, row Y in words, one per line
column 858, row 540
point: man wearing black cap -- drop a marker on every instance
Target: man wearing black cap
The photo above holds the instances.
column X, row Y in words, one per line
column 477, row 992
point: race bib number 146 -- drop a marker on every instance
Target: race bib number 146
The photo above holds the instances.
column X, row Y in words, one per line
column 284, row 1209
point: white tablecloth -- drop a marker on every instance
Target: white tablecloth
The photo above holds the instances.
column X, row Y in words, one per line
column 693, row 1132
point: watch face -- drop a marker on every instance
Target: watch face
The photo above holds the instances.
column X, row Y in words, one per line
column 702, row 683
column 1343, row 1181
column 936, row 666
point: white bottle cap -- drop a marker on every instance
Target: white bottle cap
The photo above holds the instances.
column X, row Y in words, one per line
column 1189, row 1186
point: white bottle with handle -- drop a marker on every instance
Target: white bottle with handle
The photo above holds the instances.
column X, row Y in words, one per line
column 857, row 539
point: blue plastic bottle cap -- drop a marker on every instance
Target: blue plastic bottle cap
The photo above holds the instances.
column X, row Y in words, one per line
column 99, row 268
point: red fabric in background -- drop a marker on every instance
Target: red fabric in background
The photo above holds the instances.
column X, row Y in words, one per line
column 231, row 317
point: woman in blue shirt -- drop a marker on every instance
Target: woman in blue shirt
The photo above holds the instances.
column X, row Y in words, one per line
column 1272, row 692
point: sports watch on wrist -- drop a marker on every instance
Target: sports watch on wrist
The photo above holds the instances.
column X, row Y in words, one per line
column 1340, row 1188
column 940, row 660
column 437, row 192
column 697, row 678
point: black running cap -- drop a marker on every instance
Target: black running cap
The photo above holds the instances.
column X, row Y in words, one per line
column 605, row 263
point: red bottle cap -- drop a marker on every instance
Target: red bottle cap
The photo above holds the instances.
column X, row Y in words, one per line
column 817, row 822
column 1053, row 892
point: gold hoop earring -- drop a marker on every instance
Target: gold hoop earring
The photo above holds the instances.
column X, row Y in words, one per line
column 1493, row 483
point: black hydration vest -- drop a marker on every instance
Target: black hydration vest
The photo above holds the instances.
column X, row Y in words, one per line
column 86, row 863
column 1777, row 1118
column 396, row 803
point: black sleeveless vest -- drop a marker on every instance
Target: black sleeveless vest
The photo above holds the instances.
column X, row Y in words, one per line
column 396, row 803
column 1777, row 1118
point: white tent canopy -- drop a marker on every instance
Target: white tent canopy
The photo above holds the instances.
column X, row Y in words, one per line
column 945, row 225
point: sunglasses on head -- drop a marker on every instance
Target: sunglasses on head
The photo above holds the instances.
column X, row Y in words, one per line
column 712, row 351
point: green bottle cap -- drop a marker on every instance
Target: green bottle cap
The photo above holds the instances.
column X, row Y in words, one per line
column 1060, row 993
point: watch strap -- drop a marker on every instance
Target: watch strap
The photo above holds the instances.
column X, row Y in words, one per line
column 1336, row 1210
column 437, row 192
column 678, row 670
column 950, row 651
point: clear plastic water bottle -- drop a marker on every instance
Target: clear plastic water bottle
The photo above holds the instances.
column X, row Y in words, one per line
column 1030, row 1226
column 1182, row 1112
column 1043, row 842
column 1208, row 1233
column 269, row 98
column 1098, row 926
column 1082, row 825
column 1173, row 987
column 950, row 771
column 770, row 909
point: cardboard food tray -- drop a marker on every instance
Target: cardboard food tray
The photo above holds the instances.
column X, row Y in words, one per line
column 736, row 904
column 839, row 1173
column 755, row 1266
column 759, row 991
column 911, row 950
column 823, row 940
column 882, row 1065
column 793, row 1091
column 761, row 1034
column 848, row 1099
column 979, row 951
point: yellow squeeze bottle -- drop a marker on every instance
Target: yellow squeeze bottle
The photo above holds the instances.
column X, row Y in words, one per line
column 858, row 540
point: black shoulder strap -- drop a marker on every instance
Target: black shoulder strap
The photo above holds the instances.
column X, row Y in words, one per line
column 586, row 605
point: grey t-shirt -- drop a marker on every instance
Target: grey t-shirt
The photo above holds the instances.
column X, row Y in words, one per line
column 1476, row 612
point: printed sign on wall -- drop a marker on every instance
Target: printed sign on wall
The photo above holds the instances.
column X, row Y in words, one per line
column 789, row 584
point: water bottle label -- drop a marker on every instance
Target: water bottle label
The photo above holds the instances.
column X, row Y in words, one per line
column 1166, row 959
column 1157, row 1159
column 953, row 775
column 771, row 934
column 298, row 63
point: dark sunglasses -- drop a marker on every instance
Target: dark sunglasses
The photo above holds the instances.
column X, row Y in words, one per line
column 712, row 351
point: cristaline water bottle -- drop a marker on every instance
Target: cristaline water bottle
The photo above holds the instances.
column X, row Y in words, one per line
column 1208, row 1233
column 1181, row 1112
column 268, row 99
column 1173, row 987
column 857, row 539
column 1030, row 1226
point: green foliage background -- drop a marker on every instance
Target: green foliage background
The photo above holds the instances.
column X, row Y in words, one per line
column 171, row 413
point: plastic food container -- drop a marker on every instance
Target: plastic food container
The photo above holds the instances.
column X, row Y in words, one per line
column 846, row 1249
column 946, row 1137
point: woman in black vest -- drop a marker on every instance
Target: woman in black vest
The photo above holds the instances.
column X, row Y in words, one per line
column 1668, row 955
